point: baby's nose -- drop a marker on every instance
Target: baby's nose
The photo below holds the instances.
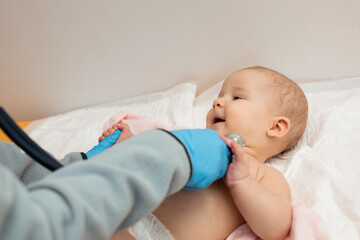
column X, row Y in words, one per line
column 219, row 102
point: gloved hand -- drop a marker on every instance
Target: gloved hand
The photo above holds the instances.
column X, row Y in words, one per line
column 104, row 144
column 209, row 156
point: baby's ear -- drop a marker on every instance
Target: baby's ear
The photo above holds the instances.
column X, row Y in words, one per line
column 279, row 128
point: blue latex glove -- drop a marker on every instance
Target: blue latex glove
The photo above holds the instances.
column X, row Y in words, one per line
column 104, row 144
column 209, row 156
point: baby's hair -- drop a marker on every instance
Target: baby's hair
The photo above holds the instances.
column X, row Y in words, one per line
column 291, row 101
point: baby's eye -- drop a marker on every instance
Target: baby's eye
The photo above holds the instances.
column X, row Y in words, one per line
column 236, row 98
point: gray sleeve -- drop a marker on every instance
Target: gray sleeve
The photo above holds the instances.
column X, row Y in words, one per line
column 24, row 167
column 96, row 198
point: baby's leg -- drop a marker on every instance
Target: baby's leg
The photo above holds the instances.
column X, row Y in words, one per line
column 125, row 132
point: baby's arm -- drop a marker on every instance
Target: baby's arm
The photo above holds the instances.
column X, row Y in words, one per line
column 262, row 198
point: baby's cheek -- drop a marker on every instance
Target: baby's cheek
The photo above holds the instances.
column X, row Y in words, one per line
column 208, row 119
column 236, row 128
column 221, row 131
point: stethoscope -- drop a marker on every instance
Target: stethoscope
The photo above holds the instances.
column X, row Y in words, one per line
column 19, row 137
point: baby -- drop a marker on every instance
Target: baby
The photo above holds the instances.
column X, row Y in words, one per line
column 270, row 112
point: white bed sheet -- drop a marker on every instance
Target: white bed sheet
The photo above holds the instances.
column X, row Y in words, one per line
column 322, row 170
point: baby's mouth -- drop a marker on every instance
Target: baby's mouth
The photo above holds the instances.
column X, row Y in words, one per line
column 218, row 120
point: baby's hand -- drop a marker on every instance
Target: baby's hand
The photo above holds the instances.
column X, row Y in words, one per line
column 238, row 169
column 125, row 132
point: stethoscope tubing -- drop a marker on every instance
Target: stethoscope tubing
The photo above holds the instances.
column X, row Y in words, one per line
column 21, row 139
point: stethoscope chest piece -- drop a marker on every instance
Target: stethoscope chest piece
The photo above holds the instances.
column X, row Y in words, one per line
column 237, row 138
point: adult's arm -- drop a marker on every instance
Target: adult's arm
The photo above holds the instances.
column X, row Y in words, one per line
column 96, row 198
column 24, row 167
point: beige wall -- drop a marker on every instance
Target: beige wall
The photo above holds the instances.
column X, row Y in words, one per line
column 57, row 56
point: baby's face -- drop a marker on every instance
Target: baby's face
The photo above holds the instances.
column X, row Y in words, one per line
column 243, row 106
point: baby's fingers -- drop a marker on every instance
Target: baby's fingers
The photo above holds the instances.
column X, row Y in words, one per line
column 108, row 132
column 226, row 140
column 125, row 131
column 239, row 167
column 101, row 138
column 236, row 149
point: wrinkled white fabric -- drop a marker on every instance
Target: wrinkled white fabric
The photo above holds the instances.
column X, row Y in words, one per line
column 150, row 228
column 324, row 170
column 79, row 130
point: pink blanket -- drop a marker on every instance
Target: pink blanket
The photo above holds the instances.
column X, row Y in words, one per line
column 305, row 225
column 137, row 123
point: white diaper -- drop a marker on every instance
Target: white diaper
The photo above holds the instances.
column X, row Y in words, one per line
column 150, row 228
